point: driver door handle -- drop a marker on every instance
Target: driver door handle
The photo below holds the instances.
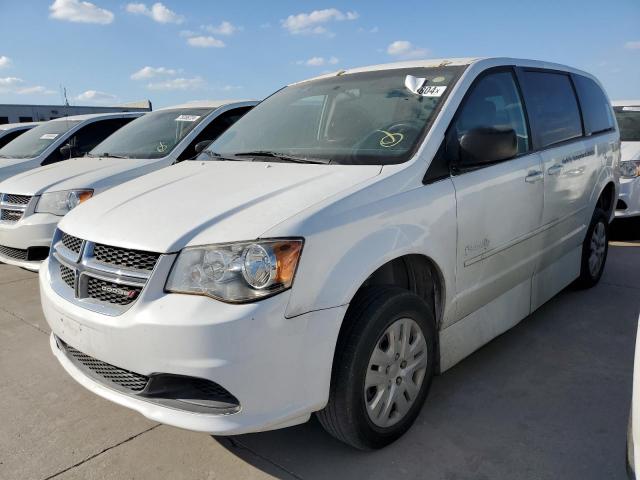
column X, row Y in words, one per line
column 534, row 176
column 554, row 170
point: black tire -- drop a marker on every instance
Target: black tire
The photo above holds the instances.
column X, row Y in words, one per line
column 370, row 314
column 589, row 278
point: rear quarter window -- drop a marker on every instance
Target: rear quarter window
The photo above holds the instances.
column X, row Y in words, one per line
column 596, row 110
column 552, row 107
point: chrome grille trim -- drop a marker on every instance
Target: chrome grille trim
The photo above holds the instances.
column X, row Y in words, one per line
column 13, row 207
column 107, row 289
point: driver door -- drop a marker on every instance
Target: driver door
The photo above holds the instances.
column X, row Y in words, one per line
column 499, row 210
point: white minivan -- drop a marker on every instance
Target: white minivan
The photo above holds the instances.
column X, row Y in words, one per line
column 628, row 115
column 343, row 242
column 32, row 203
column 11, row 131
column 59, row 139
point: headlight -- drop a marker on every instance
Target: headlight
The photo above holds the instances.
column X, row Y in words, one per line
column 630, row 168
column 60, row 203
column 236, row 272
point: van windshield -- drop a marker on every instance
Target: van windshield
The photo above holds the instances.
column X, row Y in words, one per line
column 376, row 117
column 35, row 141
column 153, row 135
column 629, row 123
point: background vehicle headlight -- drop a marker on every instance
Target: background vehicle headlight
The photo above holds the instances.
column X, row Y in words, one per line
column 61, row 203
column 630, row 168
column 236, row 272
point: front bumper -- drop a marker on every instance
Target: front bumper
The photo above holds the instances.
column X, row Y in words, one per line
column 629, row 198
column 278, row 368
column 34, row 231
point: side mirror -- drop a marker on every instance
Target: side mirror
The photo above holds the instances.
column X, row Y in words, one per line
column 487, row 145
column 200, row 146
column 66, row 151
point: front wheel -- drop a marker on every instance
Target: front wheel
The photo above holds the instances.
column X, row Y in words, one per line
column 384, row 363
column 594, row 250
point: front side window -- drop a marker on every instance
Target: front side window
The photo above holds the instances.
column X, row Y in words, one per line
column 153, row 135
column 494, row 105
column 596, row 110
column 35, row 141
column 552, row 107
column 629, row 123
column 362, row 118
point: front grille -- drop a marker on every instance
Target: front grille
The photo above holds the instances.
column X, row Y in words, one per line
column 125, row 258
column 112, row 293
column 10, row 215
column 14, row 253
column 72, row 243
column 16, row 199
column 68, row 276
column 119, row 377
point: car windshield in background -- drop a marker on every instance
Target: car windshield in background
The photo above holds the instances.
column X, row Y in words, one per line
column 629, row 123
column 153, row 135
column 35, row 141
column 362, row 118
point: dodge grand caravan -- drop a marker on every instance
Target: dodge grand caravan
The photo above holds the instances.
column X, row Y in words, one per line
column 344, row 241
column 628, row 116
column 156, row 140
column 59, row 139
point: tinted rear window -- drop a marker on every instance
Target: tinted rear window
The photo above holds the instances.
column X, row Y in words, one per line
column 629, row 123
column 596, row 110
column 552, row 107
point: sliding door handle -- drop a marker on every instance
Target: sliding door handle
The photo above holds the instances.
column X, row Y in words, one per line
column 534, row 176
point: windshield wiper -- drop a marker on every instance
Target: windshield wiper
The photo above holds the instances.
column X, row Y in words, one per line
column 106, row 155
column 215, row 155
column 282, row 156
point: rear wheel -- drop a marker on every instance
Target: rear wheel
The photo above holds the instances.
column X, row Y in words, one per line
column 594, row 249
column 383, row 368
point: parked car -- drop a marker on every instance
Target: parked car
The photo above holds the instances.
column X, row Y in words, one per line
column 33, row 202
column 10, row 131
column 628, row 116
column 343, row 242
column 633, row 431
column 57, row 140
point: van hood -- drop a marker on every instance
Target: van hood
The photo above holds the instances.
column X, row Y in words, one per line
column 199, row 203
column 12, row 166
column 95, row 173
column 630, row 151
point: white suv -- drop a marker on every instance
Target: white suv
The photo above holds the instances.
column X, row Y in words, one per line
column 344, row 241
column 156, row 140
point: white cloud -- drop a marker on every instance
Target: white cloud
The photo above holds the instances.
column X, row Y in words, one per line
column 96, row 96
column 151, row 72
column 178, row 84
column 158, row 12
column 229, row 88
column 14, row 85
column 80, row 12
column 4, row 61
column 635, row 45
column 312, row 23
column 205, row 42
column 318, row 61
column 225, row 28
column 35, row 90
column 405, row 49
column 10, row 81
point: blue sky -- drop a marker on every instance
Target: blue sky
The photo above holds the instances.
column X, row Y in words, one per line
column 247, row 49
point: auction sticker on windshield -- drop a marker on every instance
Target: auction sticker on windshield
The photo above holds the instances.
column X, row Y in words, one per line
column 187, row 118
column 419, row 87
column 48, row 136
